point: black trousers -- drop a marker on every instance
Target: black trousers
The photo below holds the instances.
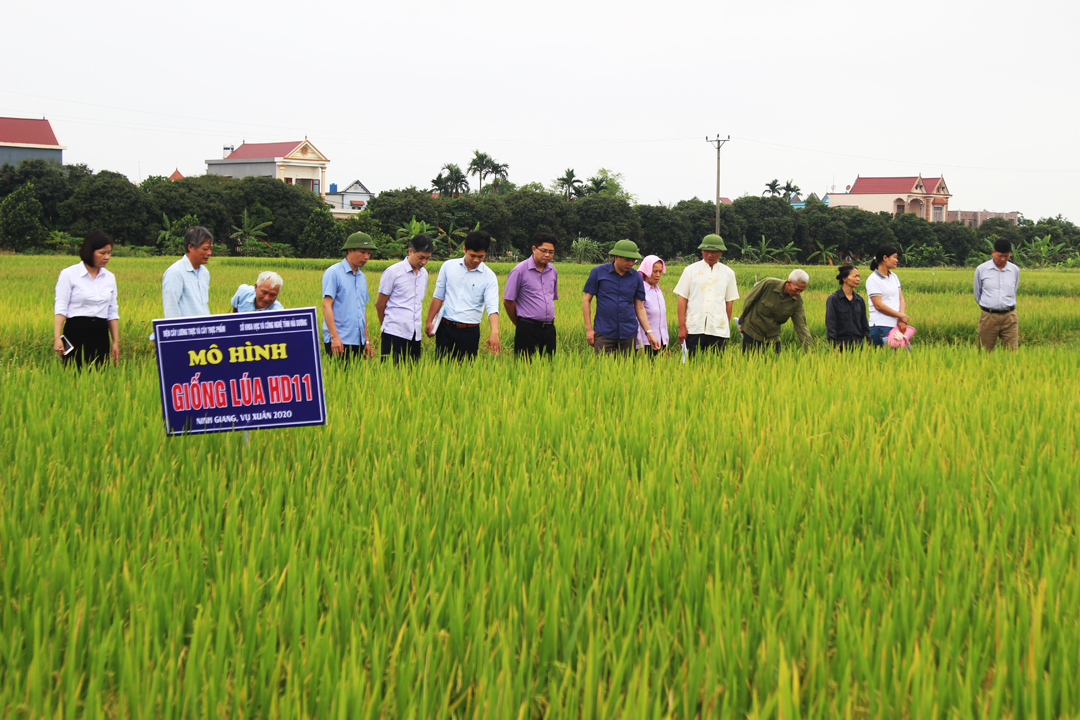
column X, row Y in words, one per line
column 398, row 348
column 351, row 352
column 750, row 345
column 90, row 338
column 704, row 342
column 533, row 336
column 456, row 342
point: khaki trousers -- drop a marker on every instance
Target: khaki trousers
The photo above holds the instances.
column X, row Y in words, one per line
column 1003, row 326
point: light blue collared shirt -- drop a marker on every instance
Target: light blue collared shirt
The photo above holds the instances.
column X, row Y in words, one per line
column 996, row 289
column 350, row 294
column 244, row 300
column 405, row 290
column 465, row 293
column 185, row 291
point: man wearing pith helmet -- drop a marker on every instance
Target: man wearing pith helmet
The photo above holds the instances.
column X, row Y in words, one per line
column 344, row 303
column 707, row 292
column 620, row 303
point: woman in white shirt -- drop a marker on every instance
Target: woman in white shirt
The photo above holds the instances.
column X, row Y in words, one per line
column 887, row 306
column 87, row 315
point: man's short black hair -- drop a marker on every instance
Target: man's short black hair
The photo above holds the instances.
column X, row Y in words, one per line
column 421, row 243
column 1002, row 245
column 478, row 240
column 195, row 236
column 544, row 237
column 94, row 241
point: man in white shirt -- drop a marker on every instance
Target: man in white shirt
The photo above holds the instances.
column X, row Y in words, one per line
column 402, row 287
column 996, row 283
column 464, row 290
column 707, row 292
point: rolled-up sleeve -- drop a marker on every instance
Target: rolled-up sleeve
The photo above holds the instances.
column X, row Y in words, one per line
column 63, row 295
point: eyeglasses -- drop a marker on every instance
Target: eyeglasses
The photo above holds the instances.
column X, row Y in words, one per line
column 545, row 252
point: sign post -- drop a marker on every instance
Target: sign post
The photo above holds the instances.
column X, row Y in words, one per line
column 241, row 371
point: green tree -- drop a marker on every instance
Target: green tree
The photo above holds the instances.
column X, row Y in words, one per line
column 586, row 250
column 790, row 189
column 606, row 220
column 290, row 205
column 51, row 186
column 478, row 166
column 170, row 239
column 664, row 232
column 322, row 236
column 956, row 239
column 497, row 171
column 530, row 212
column 394, row 208
column 772, row 188
column 20, row 220
column 250, row 230
column 111, row 203
column 568, row 183
column 595, row 186
column 911, row 231
column 457, row 182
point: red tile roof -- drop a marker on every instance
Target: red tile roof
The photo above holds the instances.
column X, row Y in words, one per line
column 930, row 184
column 260, row 151
column 26, row 131
column 883, row 185
column 176, row 175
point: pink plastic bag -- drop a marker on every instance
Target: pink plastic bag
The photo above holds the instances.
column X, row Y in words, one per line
column 897, row 339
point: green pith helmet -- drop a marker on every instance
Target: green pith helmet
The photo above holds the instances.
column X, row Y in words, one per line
column 712, row 242
column 359, row 241
column 625, row 249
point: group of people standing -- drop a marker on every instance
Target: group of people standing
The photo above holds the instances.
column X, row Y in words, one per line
column 630, row 313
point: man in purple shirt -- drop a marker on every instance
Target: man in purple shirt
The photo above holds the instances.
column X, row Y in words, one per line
column 529, row 298
column 402, row 287
column 620, row 303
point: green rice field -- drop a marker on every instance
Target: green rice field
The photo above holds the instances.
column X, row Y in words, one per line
column 863, row 535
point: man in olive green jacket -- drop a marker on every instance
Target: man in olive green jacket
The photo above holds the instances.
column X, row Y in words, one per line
column 770, row 304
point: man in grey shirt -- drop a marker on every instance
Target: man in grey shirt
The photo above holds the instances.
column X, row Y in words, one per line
column 996, row 281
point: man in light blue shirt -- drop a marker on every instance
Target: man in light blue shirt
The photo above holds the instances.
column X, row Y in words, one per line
column 344, row 303
column 262, row 296
column 185, row 286
column 464, row 290
column 996, row 283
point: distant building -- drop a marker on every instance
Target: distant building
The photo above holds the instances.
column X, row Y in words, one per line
column 929, row 198
column 975, row 218
column 349, row 201
column 22, row 138
column 176, row 175
column 294, row 163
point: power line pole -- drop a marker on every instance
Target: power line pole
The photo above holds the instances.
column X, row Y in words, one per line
column 719, row 143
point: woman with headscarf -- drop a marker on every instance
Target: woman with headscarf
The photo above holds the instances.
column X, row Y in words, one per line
column 845, row 312
column 651, row 269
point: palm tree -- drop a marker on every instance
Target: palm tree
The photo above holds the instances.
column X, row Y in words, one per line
column 248, row 230
column 568, row 183
column 772, row 188
column 440, row 185
column 479, row 166
column 824, row 253
column 790, row 188
column 497, row 171
column 596, row 185
column 456, row 180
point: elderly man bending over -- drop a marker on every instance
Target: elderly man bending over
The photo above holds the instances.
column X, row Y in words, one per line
column 770, row 304
column 263, row 296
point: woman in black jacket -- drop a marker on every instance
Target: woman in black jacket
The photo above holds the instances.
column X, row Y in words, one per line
column 845, row 312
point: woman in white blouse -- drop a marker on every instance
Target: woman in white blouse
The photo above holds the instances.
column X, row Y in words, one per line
column 86, row 311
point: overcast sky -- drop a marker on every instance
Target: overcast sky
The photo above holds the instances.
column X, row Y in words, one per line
column 818, row 93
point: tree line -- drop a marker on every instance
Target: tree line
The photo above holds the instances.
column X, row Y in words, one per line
column 46, row 207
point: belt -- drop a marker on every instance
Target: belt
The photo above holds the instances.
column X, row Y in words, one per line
column 461, row 326
column 998, row 312
column 530, row 321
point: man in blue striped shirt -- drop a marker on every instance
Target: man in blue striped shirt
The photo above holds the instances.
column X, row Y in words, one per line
column 996, row 282
column 185, row 286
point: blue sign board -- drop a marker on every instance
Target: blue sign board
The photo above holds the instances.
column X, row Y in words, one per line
column 240, row 371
